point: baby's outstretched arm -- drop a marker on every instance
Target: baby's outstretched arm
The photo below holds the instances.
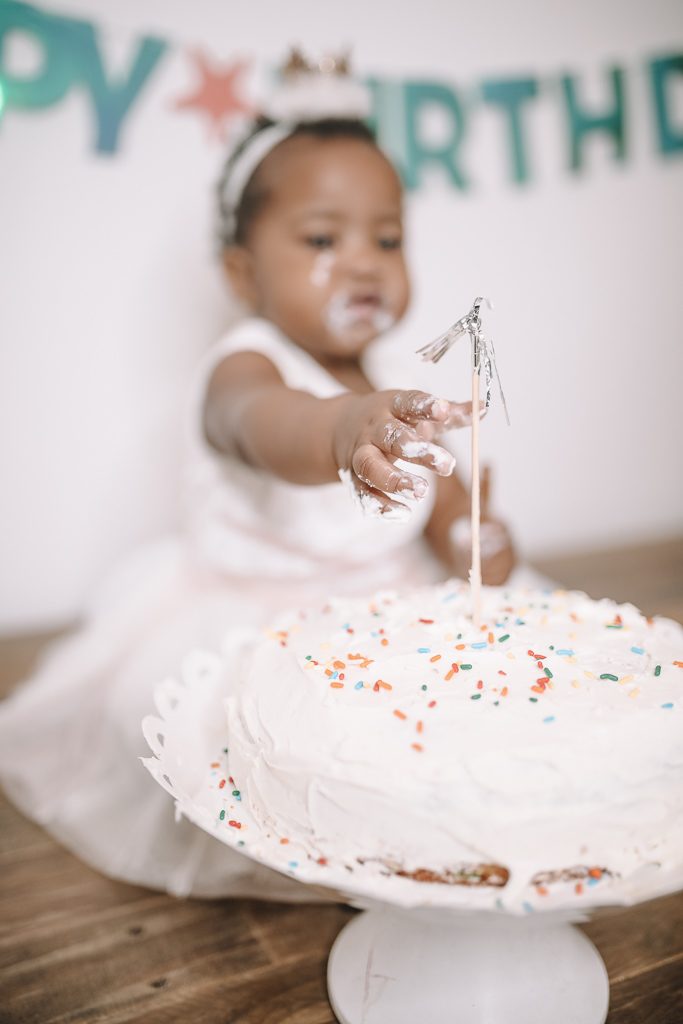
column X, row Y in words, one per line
column 250, row 412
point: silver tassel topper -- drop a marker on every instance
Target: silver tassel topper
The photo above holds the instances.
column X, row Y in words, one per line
column 483, row 352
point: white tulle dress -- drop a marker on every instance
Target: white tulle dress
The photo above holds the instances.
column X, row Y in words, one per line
column 70, row 737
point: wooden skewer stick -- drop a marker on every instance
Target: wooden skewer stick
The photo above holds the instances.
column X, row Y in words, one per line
column 485, row 491
column 482, row 355
column 475, row 571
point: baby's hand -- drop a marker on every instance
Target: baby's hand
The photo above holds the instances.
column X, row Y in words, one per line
column 379, row 428
column 496, row 547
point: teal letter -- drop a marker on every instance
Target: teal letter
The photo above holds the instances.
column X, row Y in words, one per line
column 113, row 99
column 670, row 139
column 71, row 57
column 509, row 95
column 417, row 96
column 53, row 79
column 582, row 124
column 387, row 120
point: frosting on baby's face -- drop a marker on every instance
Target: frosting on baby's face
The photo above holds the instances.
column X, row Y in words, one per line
column 325, row 254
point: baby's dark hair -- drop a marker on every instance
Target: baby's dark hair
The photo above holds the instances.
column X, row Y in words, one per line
column 233, row 225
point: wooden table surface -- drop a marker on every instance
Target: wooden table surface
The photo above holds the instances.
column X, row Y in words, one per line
column 77, row 947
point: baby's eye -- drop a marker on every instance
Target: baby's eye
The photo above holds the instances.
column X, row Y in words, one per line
column 320, row 241
column 390, row 243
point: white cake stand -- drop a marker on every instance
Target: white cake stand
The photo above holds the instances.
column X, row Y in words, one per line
column 395, row 966
column 419, row 953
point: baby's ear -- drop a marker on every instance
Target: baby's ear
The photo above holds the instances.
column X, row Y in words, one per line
column 238, row 265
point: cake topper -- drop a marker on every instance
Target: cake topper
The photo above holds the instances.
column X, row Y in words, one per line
column 483, row 352
column 483, row 356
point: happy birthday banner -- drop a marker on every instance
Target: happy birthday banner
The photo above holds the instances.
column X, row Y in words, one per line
column 74, row 56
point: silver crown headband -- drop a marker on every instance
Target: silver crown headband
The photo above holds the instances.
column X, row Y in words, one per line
column 306, row 93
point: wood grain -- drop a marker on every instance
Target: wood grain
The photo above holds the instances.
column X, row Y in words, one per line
column 77, row 948
column 649, row 576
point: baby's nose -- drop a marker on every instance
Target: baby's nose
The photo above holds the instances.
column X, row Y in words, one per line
column 363, row 260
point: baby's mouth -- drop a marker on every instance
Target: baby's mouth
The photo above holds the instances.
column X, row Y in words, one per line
column 361, row 309
column 367, row 308
column 365, row 305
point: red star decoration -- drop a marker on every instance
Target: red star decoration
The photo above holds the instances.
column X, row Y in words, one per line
column 216, row 93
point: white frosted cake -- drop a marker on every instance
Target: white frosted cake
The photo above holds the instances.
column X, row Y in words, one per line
column 543, row 750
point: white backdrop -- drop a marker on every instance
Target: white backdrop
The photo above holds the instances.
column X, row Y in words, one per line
column 110, row 292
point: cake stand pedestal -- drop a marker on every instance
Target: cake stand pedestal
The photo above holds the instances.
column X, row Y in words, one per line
column 391, row 966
